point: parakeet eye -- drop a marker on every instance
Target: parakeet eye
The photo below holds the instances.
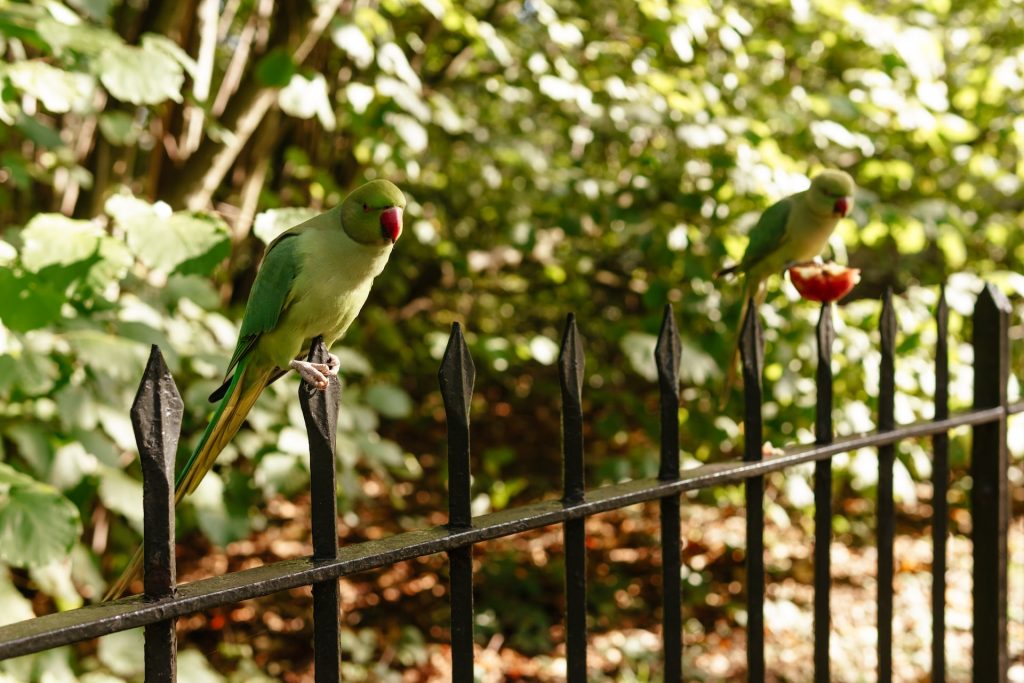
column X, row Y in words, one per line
column 366, row 207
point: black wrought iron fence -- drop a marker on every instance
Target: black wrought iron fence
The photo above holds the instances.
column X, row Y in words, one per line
column 157, row 411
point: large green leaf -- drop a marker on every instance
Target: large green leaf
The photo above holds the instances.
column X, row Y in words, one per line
column 389, row 400
column 27, row 304
column 275, row 68
column 83, row 38
column 139, row 75
column 183, row 242
column 272, row 222
column 52, row 238
column 194, row 667
column 123, row 652
column 59, row 90
column 123, row 359
column 122, row 494
column 13, row 605
column 157, row 43
column 37, row 524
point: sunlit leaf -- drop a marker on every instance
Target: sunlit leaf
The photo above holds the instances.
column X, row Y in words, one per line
column 123, row 652
column 271, row 223
column 389, row 400
column 37, row 524
column 139, row 75
column 59, row 91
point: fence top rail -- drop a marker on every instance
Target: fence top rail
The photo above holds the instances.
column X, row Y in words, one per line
column 63, row 628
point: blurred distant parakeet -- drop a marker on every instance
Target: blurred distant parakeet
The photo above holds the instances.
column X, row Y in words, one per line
column 793, row 230
column 313, row 280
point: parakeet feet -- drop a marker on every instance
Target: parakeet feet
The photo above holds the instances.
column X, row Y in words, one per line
column 314, row 373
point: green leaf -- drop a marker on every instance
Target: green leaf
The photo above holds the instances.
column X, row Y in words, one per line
column 51, row 238
column 122, row 494
column 211, row 241
column 97, row 10
column 194, row 668
column 14, row 606
column 119, row 128
column 276, row 68
column 89, row 40
column 123, row 652
column 39, row 132
column 221, row 521
column 197, row 289
column 305, row 98
column 389, row 400
column 272, row 222
column 639, row 350
column 352, row 362
column 71, row 464
column 354, row 43
column 157, row 43
column 25, row 306
column 139, row 75
column 33, row 446
column 182, row 242
column 37, row 524
column 35, row 373
column 59, row 90
column 54, row 579
column 122, row 359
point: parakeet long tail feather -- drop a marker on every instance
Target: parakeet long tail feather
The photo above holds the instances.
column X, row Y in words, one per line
column 730, row 372
column 245, row 387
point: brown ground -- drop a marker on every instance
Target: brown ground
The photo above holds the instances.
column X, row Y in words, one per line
column 518, row 596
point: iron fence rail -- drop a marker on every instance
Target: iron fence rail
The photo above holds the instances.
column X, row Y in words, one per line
column 156, row 415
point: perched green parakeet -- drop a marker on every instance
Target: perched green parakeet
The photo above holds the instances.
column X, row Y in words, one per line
column 313, row 280
column 793, row 230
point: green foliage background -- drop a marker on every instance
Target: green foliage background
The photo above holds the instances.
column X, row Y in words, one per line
column 598, row 157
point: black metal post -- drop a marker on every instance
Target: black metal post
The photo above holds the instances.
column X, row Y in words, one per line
column 752, row 356
column 940, row 491
column 823, row 498
column 571, row 366
column 156, row 418
column 667, row 355
column 990, row 491
column 886, row 507
column 456, row 377
column 320, row 411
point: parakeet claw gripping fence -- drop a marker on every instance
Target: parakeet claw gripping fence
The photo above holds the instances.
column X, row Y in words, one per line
column 156, row 415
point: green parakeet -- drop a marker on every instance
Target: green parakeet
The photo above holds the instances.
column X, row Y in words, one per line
column 793, row 230
column 313, row 280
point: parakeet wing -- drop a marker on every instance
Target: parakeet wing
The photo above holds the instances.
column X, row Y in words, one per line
column 270, row 294
column 768, row 234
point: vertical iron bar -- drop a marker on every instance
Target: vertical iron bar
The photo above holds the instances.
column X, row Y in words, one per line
column 990, row 491
column 667, row 356
column 752, row 355
column 456, row 377
column 320, row 411
column 571, row 365
column 940, row 490
column 823, row 498
column 156, row 419
column 886, row 507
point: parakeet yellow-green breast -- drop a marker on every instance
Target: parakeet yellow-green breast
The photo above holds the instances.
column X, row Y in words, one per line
column 793, row 230
column 313, row 281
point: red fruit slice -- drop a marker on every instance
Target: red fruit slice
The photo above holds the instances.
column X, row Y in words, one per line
column 824, row 282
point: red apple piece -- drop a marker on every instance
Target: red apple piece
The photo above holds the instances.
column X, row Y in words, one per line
column 823, row 282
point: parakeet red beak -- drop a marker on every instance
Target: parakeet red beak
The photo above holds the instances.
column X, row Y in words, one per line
column 843, row 206
column 391, row 223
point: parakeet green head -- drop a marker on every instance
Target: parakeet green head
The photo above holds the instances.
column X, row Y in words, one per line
column 832, row 192
column 372, row 213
